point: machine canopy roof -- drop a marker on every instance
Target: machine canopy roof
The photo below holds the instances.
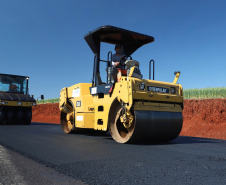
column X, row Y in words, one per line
column 114, row 35
column 13, row 75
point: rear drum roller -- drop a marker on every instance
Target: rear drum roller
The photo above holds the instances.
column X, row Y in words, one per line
column 67, row 122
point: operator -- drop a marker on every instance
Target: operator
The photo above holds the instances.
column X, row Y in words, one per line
column 13, row 88
column 118, row 58
column 118, row 63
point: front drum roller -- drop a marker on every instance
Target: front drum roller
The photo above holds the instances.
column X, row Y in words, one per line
column 121, row 130
column 146, row 126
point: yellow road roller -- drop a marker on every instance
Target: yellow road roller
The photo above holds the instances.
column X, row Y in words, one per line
column 15, row 101
column 132, row 109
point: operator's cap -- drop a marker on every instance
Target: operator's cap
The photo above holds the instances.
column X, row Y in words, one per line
column 118, row 46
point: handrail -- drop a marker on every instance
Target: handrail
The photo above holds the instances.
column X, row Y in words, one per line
column 153, row 69
column 109, row 53
column 95, row 56
column 109, row 64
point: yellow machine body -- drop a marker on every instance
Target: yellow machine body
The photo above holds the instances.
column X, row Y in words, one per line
column 93, row 111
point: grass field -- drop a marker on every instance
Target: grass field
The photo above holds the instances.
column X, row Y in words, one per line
column 218, row 92
column 54, row 100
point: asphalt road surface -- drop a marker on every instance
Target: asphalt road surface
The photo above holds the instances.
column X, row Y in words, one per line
column 42, row 154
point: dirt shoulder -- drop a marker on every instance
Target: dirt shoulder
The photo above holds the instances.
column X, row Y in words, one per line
column 205, row 118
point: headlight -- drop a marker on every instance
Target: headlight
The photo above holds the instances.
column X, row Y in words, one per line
column 142, row 86
column 2, row 102
column 33, row 104
column 173, row 91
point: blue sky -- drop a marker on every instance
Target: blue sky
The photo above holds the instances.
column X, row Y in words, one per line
column 43, row 39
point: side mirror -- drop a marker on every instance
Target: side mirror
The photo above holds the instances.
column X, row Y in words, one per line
column 42, row 97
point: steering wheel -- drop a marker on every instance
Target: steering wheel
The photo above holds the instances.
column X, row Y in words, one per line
column 122, row 61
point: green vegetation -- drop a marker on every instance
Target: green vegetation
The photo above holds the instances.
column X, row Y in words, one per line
column 54, row 100
column 217, row 92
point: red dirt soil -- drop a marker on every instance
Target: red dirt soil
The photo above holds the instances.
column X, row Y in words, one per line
column 201, row 118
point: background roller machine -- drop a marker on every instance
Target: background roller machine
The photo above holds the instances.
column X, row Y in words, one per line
column 131, row 108
column 15, row 102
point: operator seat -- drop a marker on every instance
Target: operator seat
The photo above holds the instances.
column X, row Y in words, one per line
column 131, row 63
column 136, row 72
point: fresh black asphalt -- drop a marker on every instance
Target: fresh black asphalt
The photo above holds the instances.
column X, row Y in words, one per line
column 43, row 154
